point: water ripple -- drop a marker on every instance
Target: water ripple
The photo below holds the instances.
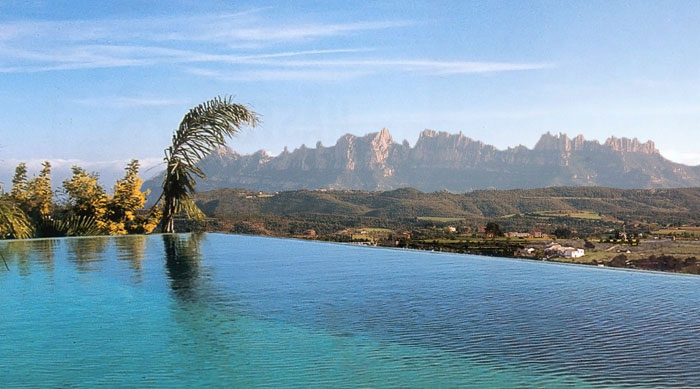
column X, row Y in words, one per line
column 245, row 311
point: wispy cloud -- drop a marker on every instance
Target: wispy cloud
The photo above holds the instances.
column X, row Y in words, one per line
column 234, row 28
column 306, row 32
column 419, row 65
column 128, row 102
column 279, row 74
column 231, row 30
column 205, row 40
column 347, row 69
column 103, row 56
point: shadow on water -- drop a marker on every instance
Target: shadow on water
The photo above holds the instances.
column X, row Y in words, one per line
column 182, row 263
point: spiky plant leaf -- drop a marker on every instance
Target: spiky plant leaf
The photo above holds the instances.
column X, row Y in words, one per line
column 70, row 226
column 14, row 223
column 203, row 129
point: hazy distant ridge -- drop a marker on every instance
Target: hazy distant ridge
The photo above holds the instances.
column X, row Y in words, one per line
column 444, row 161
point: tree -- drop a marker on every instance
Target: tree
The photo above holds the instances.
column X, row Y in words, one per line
column 563, row 233
column 203, row 129
column 39, row 193
column 87, row 197
column 19, row 184
column 127, row 200
column 493, row 230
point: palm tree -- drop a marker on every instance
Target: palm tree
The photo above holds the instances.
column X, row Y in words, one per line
column 202, row 130
column 14, row 223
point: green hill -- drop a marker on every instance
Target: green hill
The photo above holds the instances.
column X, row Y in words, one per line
column 586, row 209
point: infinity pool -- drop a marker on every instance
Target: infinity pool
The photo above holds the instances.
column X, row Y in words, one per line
column 239, row 311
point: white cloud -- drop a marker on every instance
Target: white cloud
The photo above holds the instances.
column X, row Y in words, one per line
column 41, row 46
column 686, row 158
column 347, row 69
column 227, row 28
column 417, row 65
column 109, row 171
column 104, row 56
column 278, row 75
column 231, row 30
column 128, row 102
column 290, row 33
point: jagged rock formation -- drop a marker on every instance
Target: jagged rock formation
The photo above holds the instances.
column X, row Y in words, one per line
column 444, row 161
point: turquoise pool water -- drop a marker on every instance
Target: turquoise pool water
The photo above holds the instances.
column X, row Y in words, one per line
column 238, row 311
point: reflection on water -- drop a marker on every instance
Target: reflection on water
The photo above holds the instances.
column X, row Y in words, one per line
column 83, row 252
column 86, row 252
column 26, row 252
column 220, row 309
column 19, row 252
column 132, row 248
column 182, row 263
column 44, row 250
column 202, row 327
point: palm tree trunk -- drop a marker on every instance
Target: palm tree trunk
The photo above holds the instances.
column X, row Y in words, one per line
column 169, row 216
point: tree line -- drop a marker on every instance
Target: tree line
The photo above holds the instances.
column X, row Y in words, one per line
column 30, row 209
column 81, row 207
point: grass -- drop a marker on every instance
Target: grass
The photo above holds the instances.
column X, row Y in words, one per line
column 439, row 219
column 464, row 239
column 376, row 230
column 678, row 231
column 587, row 215
column 371, row 234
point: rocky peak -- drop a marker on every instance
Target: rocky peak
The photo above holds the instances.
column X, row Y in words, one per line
column 444, row 138
column 560, row 142
column 427, row 133
column 626, row 145
column 440, row 160
column 380, row 146
column 345, row 140
column 261, row 156
column 382, row 137
column 225, row 152
column 578, row 142
column 380, row 140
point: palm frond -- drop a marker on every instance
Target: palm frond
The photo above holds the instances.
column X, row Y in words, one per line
column 190, row 209
column 203, row 129
column 14, row 223
column 70, row 226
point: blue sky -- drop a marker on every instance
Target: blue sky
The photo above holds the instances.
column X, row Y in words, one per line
column 97, row 83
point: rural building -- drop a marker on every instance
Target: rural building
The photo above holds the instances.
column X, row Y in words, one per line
column 525, row 252
column 570, row 252
column 558, row 250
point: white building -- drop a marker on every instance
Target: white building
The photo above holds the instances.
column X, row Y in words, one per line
column 570, row 252
column 565, row 252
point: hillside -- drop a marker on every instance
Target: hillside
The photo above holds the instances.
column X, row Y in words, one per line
column 443, row 161
column 585, row 208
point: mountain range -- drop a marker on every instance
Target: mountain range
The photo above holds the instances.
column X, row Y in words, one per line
column 444, row 161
